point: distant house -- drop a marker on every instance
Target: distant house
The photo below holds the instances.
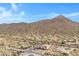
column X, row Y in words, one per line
column 71, row 40
column 42, row 47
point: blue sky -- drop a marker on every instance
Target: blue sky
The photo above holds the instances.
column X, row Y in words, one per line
column 31, row 12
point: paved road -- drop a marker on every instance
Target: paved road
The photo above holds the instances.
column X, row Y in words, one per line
column 29, row 52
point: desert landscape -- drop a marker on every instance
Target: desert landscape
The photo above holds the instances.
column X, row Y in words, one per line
column 58, row 36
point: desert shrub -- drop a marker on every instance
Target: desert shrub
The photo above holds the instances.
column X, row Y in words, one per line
column 65, row 54
column 18, row 52
column 2, row 36
column 1, row 44
column 14, row 53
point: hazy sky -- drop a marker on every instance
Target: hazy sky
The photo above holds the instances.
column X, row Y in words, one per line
column 30, row 12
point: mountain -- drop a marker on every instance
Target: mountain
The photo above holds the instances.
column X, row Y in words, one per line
column 14, row 28
column 59, row 23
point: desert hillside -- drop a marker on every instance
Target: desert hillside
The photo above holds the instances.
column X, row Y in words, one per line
column 52, row 37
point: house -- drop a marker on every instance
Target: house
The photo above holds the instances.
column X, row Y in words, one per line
column 42, row 47
column 71, row 40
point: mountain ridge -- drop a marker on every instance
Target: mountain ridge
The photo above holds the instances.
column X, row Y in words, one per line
column 44, row 26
